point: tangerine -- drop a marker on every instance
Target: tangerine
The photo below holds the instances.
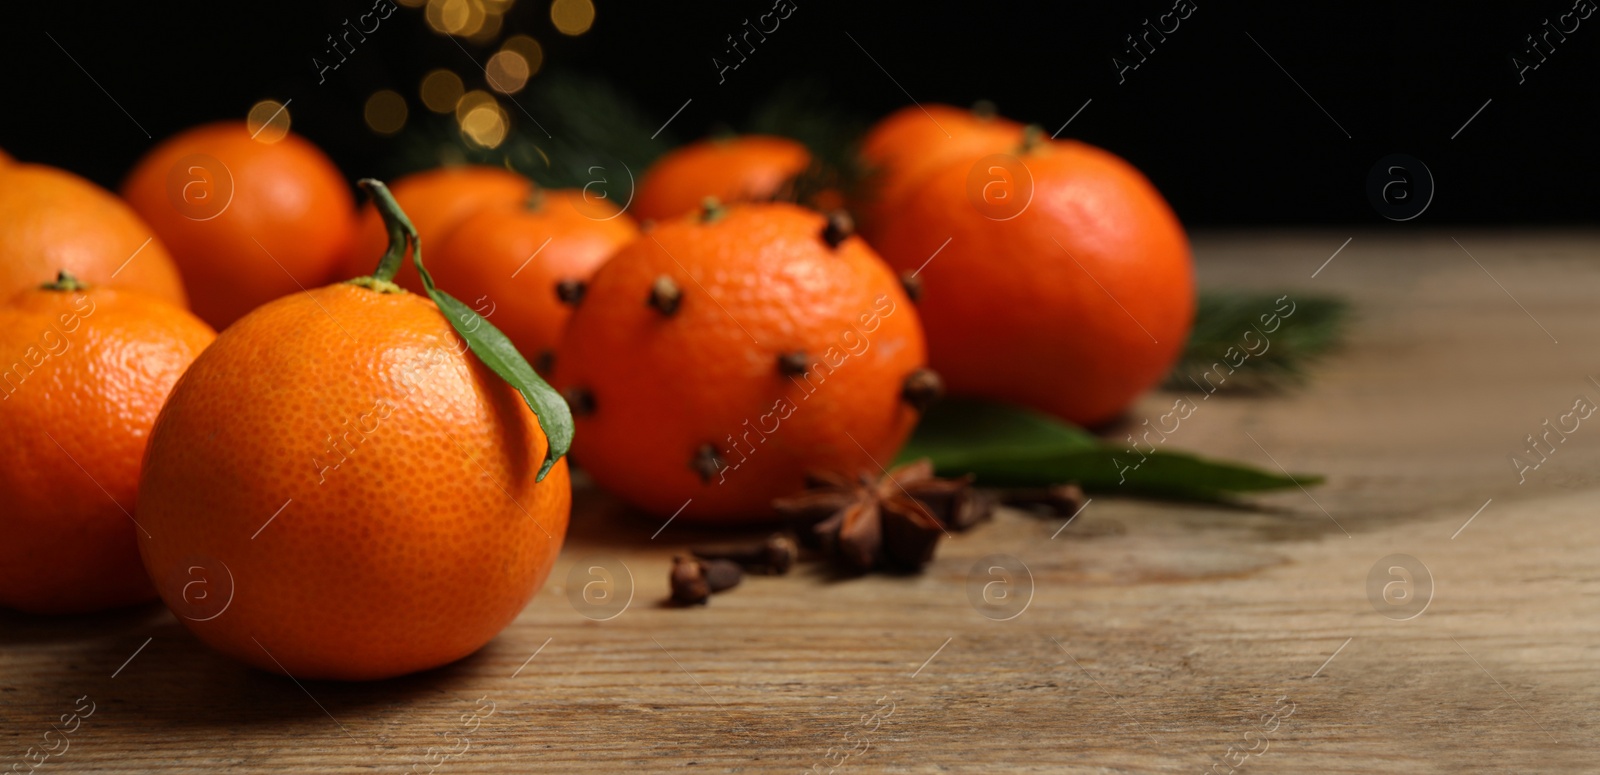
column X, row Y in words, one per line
column 246, row 220
column 52, row 221
column 909, row 144
column 717, row 359
column 87, row 370
column 436, row 200
column 340, row 489
column 745, row 168
column 1056, row 277
column 536, row 257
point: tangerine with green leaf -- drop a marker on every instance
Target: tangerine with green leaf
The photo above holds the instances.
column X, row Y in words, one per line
column 358, row 469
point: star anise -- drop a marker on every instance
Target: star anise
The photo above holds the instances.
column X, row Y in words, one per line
column 893, row 522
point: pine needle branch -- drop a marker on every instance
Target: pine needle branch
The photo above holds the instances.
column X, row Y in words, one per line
column 1231, row 324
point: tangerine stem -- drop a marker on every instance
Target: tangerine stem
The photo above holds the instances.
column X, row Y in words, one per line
column 712, row 210
column 401, row 231
column 1032, row 138
column 65, row 283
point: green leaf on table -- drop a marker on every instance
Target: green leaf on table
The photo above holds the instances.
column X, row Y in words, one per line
column 1006, row 446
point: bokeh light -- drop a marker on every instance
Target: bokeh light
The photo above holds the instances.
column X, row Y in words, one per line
column 471, row 101
column 532, row 53
column 506, row 72
column 441, row 90
column 481, row 119
column 490, row 29
column 530, row 50
column 455, row 17
column 572, row 17
column 386, row 112
column 268, row 121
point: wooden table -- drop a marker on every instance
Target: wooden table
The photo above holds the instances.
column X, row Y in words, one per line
column 1156, row 637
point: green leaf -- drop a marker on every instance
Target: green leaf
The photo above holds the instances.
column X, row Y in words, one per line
column 963, row 432
column 487, row 342
column 1273, row 359
column 1005, row 446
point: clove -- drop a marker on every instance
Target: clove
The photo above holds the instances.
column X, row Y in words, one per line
column 840, row 227
column 793, row 364
column 922, row 388
column 912, row 285
column 665, row 296
column 580, row 400
column 693, row 581
column 707, row 462
column 1061, row 500
column 771, row 557
column 570, row 291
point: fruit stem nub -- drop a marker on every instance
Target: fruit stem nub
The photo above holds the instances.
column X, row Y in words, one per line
column 712, row 210
column 65, row 283
column 1032, row 138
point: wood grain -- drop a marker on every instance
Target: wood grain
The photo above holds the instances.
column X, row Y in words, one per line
column 1156, row 636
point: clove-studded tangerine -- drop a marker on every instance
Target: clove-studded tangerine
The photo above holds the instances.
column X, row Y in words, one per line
column 719, row 357
column 348, row 485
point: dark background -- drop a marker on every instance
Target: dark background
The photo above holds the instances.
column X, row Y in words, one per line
column 1227, row 136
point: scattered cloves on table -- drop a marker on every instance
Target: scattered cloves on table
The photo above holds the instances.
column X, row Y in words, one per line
column 694, row 580
column 772, row 557
column 1061, row 500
